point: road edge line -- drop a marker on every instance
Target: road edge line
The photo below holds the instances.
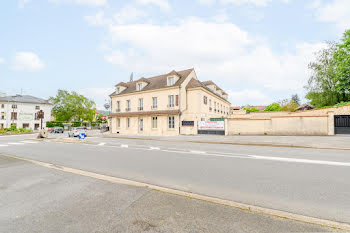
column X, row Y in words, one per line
column 233, row 204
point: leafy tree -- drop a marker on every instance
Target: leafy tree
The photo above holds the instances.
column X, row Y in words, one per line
column 296, row 99
column 291, row 106
column 249, row 109
column 321, row 85
column 273, row 107
column 72, row 106
column 342, row 61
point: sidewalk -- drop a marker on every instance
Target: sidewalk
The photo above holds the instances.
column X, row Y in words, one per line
column 318, row 142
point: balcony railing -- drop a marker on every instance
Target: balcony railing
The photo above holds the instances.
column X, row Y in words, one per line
column 171, row 105
column 140, row 108
column 127, row 109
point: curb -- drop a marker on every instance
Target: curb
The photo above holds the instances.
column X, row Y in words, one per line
column 242, row 206
column 235, row 143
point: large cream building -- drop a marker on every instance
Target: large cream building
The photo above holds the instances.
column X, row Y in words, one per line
column 168, row 104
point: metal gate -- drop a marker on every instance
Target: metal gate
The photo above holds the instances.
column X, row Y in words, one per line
column 342, row 124
column 211, row 127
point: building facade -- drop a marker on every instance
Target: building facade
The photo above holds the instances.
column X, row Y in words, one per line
column 21, row 111
column 169, row 104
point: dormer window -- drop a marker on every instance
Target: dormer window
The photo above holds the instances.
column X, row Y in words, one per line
column 118, row 90
column 171, row 81
column 139, row 86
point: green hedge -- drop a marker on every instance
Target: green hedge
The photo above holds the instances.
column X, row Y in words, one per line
column 51, row 124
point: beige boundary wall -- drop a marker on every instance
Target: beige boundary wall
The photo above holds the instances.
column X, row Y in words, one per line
column 282, row 125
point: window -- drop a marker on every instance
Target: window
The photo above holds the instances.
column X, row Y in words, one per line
column 2, row 105
column 14, row 105
column 118, row 120
column 171, row 122
column 210, row 108
column 141, row 125
column 140, row 104
column 37, row 107
column 118, row 106
column 118, row 90
column 171, row 81
column 205, row 100
column 187, row 123
column 154, row 122
column 139, row 86
column 171, row 101
column 154, row 102
column 2, row 116
column 214, row 106
column 128, row 122
column 13, row 115
column 127, row 106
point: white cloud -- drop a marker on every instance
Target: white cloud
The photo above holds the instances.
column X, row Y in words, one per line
column 98, row 19
column 27, row 61
column 99, row 94
column 247, row 96
column 94, row 3
column 21, row 3
column 230, row 55
column 2, row 60
column 336, row 11
column 241, row 2
column 162, row 4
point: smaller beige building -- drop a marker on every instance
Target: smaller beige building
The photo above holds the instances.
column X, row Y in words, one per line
column 168, row 104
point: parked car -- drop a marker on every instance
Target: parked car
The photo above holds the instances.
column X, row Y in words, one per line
column 74, row 132
column 57, row 130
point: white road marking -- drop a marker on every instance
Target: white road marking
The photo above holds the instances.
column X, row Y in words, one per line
column 124, row 146
column 102, row 144
column 154, row 148
column 30, row 142
column 198, row 152
column 15, row 143
column 310, row 161
column 3, row 145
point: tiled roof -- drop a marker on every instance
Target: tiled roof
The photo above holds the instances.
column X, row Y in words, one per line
column 23, row 99
column 155, row 82
column 194, row 83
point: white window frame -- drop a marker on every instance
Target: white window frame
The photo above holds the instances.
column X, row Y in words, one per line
column 171, row 122
column 139, row 86
column 171, row 81
column 171, row 101
column 154, row 122
column 118, row 122
column 141, row 125
column 140, row 104
column 128, row 122
column 154, row 102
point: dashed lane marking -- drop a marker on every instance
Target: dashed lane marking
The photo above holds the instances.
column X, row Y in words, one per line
column 29, row 142
column 15, row 143
column 102, row 144
column 124, row 146
column 198, row 152
column 3, row 145
column 154, row 148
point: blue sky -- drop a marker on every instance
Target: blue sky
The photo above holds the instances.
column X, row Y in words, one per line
column 257, row 50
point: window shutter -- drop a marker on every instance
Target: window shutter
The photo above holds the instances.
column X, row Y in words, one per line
column 177, row 100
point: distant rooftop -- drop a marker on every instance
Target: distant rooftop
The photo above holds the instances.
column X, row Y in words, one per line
column 23, row 99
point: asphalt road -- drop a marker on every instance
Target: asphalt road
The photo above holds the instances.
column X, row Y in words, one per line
column 38, row 199
column 304, row 181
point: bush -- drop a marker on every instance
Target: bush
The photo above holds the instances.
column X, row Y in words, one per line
column 273, row 107
column 76, row 123
column 248, row 109
column 51, row 124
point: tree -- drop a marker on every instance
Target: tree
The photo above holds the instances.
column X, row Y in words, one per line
column 321, row 85
column 273, row 107
column 296, row 99
column 342, row 61
column 291, row 106
column 72, row 107
column 249, row 109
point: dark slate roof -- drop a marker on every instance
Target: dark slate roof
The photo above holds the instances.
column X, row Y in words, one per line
column 23, row 99
column 155, row 82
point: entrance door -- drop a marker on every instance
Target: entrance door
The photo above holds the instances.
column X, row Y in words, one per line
column 342, row 124
column 141, row 125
